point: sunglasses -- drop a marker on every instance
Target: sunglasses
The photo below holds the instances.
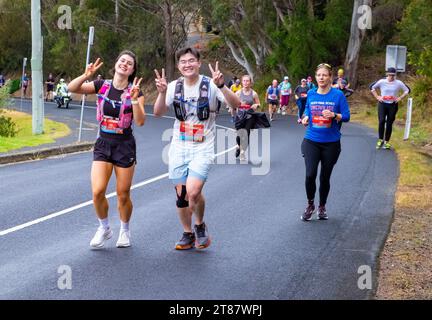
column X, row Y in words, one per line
column 325, row 65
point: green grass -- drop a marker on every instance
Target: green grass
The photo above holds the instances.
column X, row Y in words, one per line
column 406, row 258
column 52, row 130
column 415, row 168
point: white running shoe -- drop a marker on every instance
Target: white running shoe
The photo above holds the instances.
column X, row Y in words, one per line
column 283, row 113
column 100, row 236
column 278, row 110
column 242, row 155
column 123, row 239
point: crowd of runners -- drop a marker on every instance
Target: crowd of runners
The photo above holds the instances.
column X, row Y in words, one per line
column 194, row 98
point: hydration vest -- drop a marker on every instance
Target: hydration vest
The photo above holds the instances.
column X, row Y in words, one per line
column 126, row 110
column 274, row 92
column 203, row 105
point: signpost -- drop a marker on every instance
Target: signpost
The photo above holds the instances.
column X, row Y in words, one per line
column 408, row 119
column 36, row 65
column 90, row 43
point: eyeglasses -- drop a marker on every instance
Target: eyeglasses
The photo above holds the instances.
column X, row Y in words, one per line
column 190, row 61
column 326, row 65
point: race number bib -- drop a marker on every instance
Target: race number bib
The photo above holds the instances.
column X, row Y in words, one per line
column 303, row 94
column 191, row 132
column 320, row 122
column 111, row 125
column 389, row 98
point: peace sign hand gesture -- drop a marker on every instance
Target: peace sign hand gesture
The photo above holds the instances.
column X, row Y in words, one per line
column 161, row 83
column 135, row 88
column 93, row 67
column 217, row 76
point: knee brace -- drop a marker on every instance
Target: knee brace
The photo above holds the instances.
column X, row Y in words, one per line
column 181, row 200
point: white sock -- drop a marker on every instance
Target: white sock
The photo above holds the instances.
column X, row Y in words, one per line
column 124, row 225
column 104, row 223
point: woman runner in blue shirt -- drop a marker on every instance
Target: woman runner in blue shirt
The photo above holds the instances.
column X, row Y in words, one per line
column 326, row 109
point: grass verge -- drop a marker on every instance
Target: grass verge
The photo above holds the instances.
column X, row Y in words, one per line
column 406, row 259
column 25, row 138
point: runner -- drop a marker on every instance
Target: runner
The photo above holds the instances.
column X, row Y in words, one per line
column 388, row 104
column 119, row 103
column 326, row 109
column 272, row 98
column 25, row 83
column 285, row 88
column 193, row 97
column 50, row 88
column 234, row 88
column 301, row 96
column 342, row 86
column 340, row 78
column 249, row 100
column 310, row 83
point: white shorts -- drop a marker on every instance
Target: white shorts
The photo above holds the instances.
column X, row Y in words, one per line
column 189, row 162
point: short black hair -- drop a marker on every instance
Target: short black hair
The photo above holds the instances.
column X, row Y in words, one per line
column 191, row 50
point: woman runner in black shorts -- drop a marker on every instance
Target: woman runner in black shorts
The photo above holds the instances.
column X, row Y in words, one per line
column 119, row 103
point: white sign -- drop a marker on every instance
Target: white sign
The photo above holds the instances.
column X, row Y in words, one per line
column 396, row 57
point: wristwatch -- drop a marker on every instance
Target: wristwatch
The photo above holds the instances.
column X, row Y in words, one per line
column 335, row 116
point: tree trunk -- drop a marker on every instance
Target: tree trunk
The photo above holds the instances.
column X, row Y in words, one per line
column 311, row 11
column 116, row 15
column 169, row 46
column 356, row 37
column 240, row 58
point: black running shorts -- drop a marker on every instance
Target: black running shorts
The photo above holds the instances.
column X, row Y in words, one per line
column 121, row 153
column 273, row 102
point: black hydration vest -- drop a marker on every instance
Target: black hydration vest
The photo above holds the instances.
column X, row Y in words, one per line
column 203, row 105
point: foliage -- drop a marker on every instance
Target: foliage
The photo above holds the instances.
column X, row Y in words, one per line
column 418, row 39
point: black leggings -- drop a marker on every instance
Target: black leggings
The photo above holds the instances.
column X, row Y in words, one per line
column 314, row 152
column 249, row 124
column 386, row 117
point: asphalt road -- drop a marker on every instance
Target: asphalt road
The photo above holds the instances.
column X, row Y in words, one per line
column 260, row 250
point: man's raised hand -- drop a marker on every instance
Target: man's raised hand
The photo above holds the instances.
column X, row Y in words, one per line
column 217, row 76
column 161, row 83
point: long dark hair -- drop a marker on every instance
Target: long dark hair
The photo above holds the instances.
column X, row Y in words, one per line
column 133, row 56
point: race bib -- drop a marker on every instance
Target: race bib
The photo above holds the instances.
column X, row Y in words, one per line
column 303, row 94
column 111, row 125
column 321, row 122
column 273, row 97
column 191, row 132
column 389, row 98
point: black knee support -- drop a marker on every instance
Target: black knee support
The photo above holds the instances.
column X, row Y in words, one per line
column 181, row 200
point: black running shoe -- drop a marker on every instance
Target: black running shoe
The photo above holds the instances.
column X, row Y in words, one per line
column 307, row 214
column 322, row 213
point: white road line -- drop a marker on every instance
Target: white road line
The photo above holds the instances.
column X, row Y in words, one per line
column 90, row 202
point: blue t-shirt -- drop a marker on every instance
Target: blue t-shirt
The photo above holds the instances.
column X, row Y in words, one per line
column 273, row 93
column 321, row 129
